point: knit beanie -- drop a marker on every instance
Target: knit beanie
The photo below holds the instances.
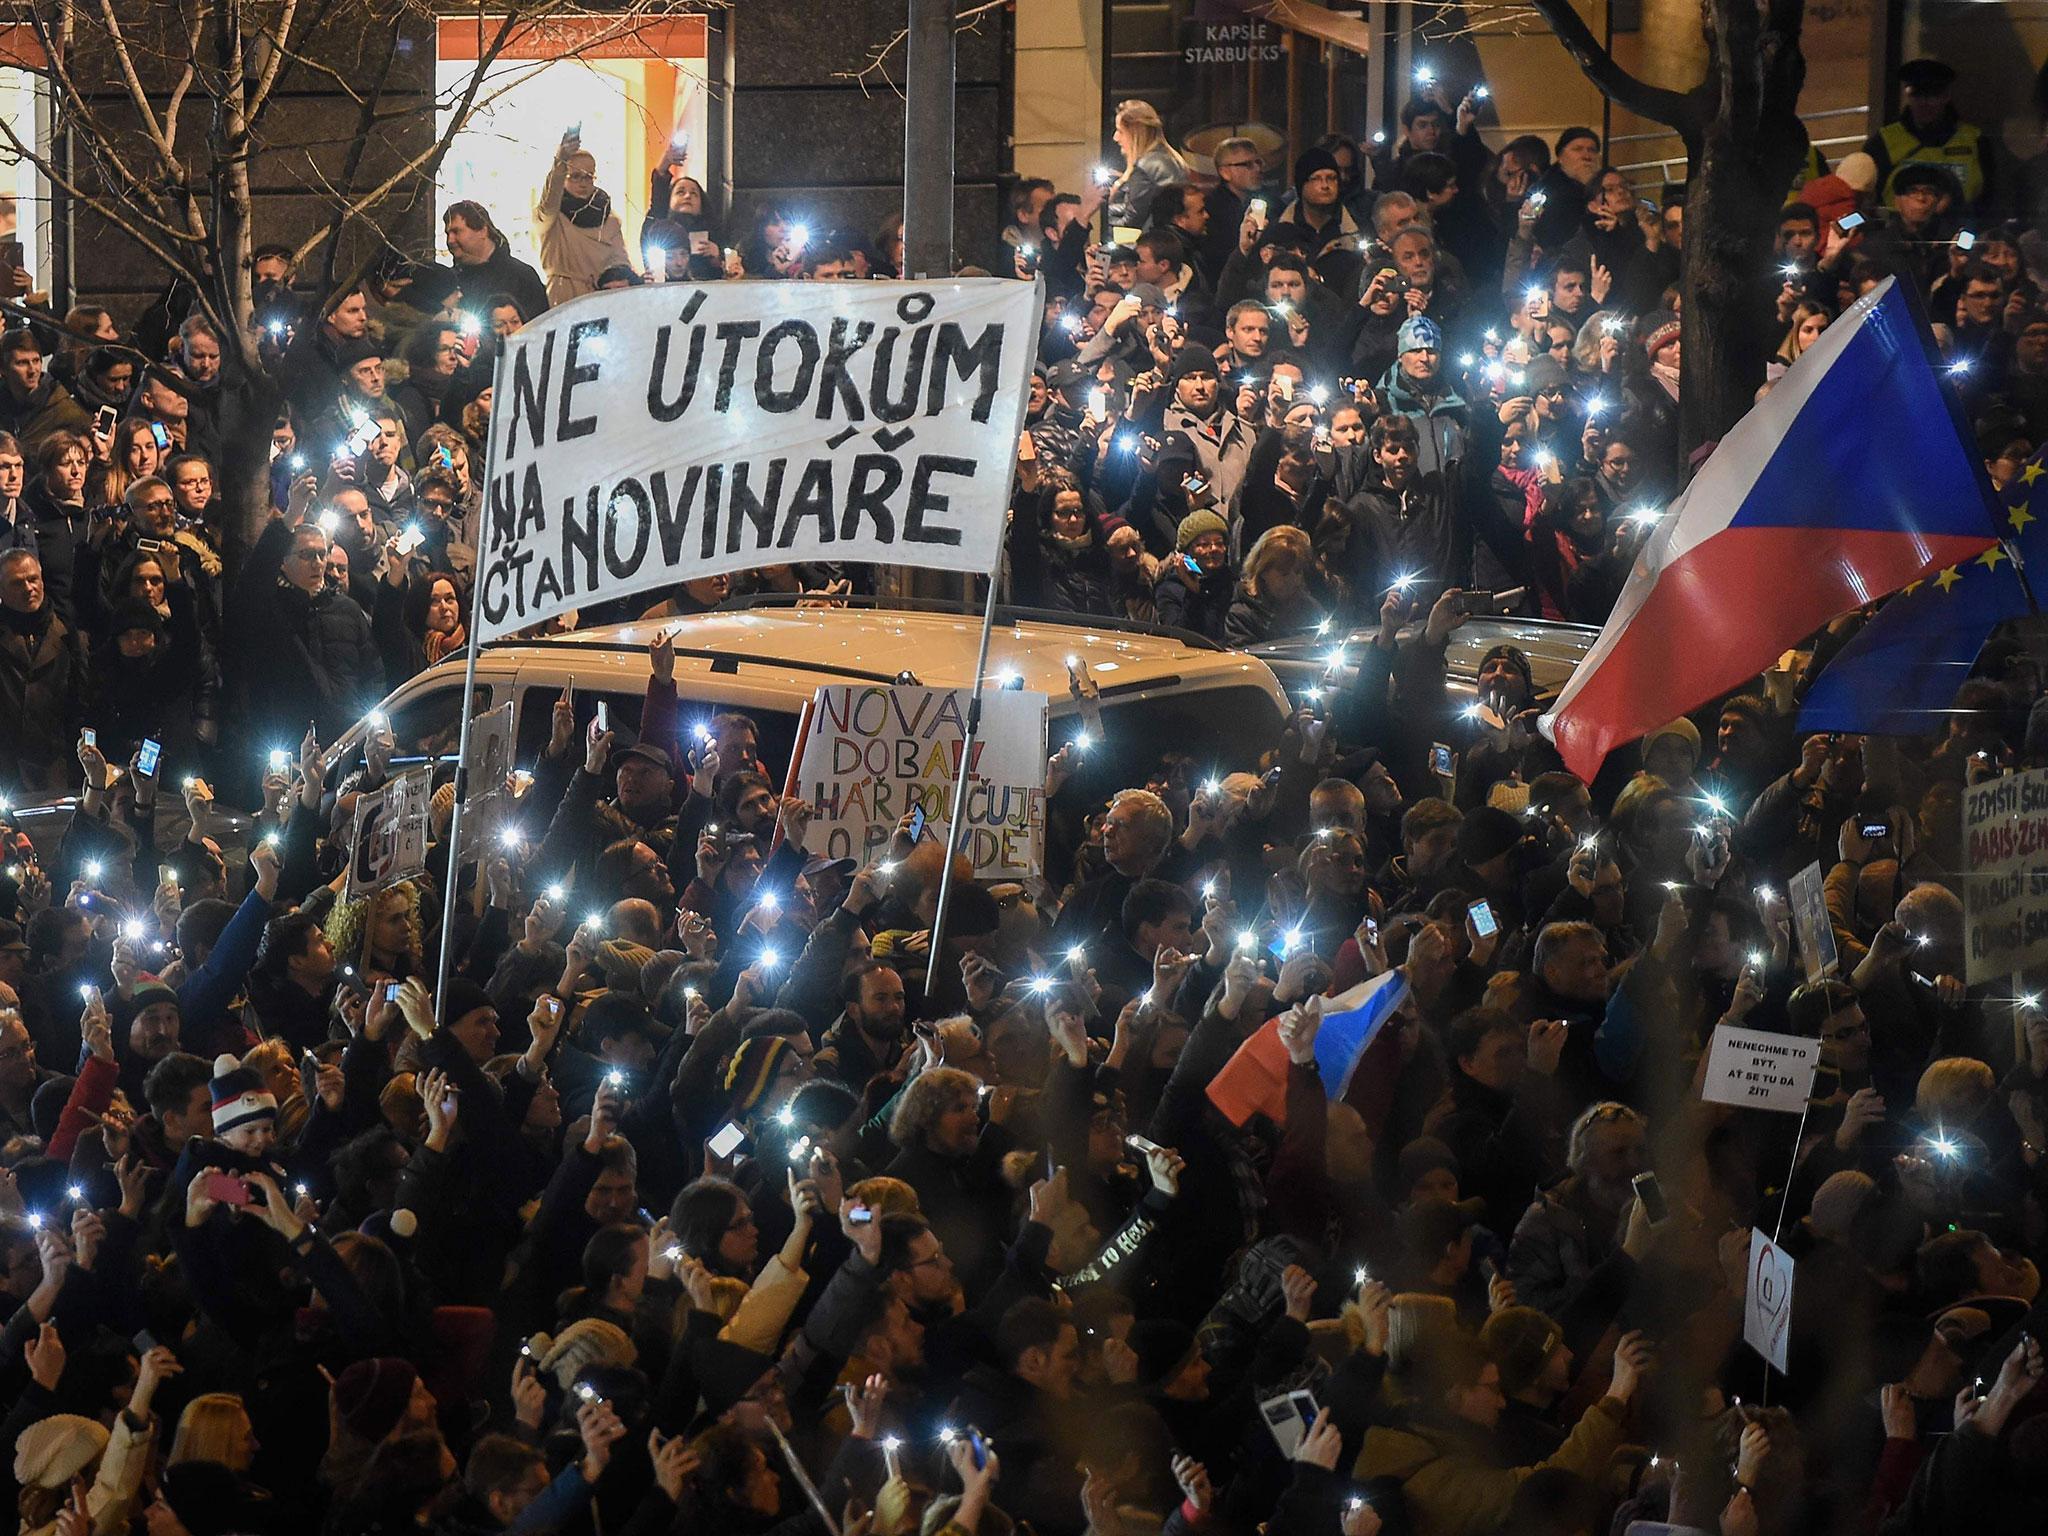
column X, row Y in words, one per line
column 753, row 1068
column 1418, row 332
column 1519, row 1340
column 1191, row 360
column 726, row 1372
column 1309, row 161
column 1683, row 730
column 1194, row 525
column 622, row 961
column 135, row 613
column 52, row 1451
column 1659, row 335
column 586, row 1342
column 239, row 1095
column 1162, row 1345
column 150, row 990
column 370, row 1396
column 1515, row 657
column 464, row 997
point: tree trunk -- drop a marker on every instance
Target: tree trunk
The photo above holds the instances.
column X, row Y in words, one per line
column 249, row 407
column 1728, row 289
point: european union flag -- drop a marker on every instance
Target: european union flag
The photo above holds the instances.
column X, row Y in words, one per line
column 1902, row 670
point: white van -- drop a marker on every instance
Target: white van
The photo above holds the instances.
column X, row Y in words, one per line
column 1161, row 691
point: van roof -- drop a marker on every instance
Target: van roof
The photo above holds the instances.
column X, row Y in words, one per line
column 810, row 646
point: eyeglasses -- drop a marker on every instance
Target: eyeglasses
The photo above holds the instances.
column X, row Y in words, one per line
column 158, row 504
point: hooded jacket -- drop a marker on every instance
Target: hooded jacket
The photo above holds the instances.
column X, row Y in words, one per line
column 1439, row 419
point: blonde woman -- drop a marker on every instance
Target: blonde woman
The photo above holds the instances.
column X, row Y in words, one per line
column 381, row 934
column 1149, row 164
column 215, row 1427
column 1273, row 598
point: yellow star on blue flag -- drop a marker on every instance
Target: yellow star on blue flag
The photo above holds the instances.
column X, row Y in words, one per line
column 1901, row 671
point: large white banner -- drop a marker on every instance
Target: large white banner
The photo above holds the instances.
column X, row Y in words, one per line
column 2005, row 838
column 647, row 436
column 873, row 755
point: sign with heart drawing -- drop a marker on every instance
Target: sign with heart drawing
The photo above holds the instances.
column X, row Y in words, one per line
column 1767, row 1307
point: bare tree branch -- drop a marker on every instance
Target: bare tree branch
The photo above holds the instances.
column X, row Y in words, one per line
column 877, row 66
column 1614, row 82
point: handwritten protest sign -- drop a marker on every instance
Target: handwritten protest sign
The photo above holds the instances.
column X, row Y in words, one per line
column 1756, row 1070
column 2005, row 833
column 1767, row 1300
column 873, row 754
column 391, row 834
column 644, row 437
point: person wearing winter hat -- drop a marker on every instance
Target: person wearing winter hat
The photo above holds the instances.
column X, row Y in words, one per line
column 1207, row 448
column 764, row 1071
column 586, row 1342
column 1318, row 206
column 244, row 1109
column 1416, row 387
column 1535, row 1367
column 53, row 1452
column 361, row 362
column 380, row 1398
column 1194, row 587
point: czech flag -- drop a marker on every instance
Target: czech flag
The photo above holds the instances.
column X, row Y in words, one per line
column 1254, row 1080
column 1850, row 479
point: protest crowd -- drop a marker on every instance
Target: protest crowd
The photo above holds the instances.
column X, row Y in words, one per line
column 702, row 1196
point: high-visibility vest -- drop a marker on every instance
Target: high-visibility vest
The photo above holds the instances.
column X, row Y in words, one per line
column 1958, row 155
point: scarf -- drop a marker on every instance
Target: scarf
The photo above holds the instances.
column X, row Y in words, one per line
column 587, row 212
column 30, row 626
column 1666, row 375
column 439, row 645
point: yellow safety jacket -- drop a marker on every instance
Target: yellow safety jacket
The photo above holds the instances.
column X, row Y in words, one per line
column 1958, row 153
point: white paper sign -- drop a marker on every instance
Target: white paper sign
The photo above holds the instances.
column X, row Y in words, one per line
column 873, row 754
column 1815, row 931
column 391, row 834
column 1760, row 1071
column 1767, row 1299
column 643, row 437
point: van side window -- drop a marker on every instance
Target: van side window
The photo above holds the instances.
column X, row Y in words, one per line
column 537, row 720
column 428, row 725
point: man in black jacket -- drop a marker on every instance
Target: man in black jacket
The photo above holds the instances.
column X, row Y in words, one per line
column 304, row 651
column 485, row 266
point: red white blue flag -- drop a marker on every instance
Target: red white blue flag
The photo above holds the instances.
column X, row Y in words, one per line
column 1850, row 479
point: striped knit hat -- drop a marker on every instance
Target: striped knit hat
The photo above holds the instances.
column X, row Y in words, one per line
column 753, row 1068
column 238, row 1095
